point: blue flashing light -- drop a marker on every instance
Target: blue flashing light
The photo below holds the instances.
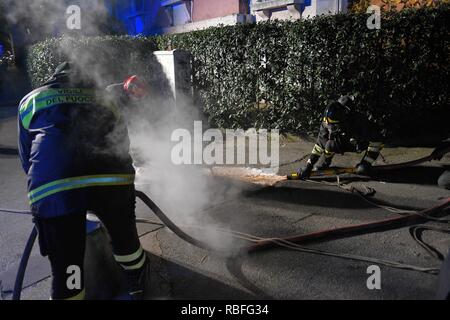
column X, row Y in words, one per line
column 139, row 16
column 138, row 25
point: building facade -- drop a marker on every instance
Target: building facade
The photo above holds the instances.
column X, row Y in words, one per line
column 295, row 9
column 188, row 15
column 176, row 16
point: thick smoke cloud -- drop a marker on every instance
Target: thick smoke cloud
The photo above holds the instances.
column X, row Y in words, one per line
column 41, row 18
column 182, row 191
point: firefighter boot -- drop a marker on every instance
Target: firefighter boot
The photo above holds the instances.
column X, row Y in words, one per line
column 137, row 281
column 304, row 173
column 325, row 163
column 363, row 168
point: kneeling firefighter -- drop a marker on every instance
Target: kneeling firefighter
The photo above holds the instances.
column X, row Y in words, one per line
column 74, row 147
column 343, row 130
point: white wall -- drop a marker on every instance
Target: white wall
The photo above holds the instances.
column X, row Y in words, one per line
column 180, row 15
column 317, row 7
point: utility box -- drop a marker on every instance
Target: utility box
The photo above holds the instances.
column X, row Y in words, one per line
column 177, row 67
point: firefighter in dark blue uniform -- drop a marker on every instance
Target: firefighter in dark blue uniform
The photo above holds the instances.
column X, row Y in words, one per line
column 74, row 147
column 343, row 130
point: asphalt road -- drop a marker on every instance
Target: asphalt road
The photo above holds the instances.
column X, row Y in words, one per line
column 14, row 229
column 295, row 208
column 290, row 208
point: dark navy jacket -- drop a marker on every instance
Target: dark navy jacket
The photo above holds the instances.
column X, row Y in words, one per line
column 70, row 138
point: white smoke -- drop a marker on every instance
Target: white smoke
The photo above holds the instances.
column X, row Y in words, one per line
column 183, row 192
column 49, row 17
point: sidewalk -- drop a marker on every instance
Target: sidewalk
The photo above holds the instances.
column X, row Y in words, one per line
column 296, row 207
column 290, row 208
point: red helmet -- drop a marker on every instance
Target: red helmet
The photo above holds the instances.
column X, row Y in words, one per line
column 135, row 87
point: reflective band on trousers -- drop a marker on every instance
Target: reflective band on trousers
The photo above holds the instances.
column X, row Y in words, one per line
column 375, row 146
column 328, row 154
column 138, row 265
column 369, row 159
column 373, row 150
column 317, row 150
column 329, row 120
column 79, row 182
column 129, row 257
column 52, row 97
column 132, row 261
column 79, row 296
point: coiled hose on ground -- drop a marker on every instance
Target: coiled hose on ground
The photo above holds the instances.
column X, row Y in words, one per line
column 263, row 243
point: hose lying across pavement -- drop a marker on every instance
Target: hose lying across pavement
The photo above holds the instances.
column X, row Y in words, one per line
column 265, row 243
column 289, row 242
column 416, row 233
column 23, row 264
column 172, row 226
column 292, row 242
column 329, row 234
column 436, row 154
column 358, row 229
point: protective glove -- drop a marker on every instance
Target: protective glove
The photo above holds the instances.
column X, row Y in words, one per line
column 136, row 88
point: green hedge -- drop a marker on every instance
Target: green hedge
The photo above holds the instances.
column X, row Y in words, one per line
column 107, row 58
column 282, row 74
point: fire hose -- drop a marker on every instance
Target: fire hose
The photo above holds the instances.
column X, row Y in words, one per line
column 348, row 231
column 357, row 229
column 287, row 242
column 263, row 243
column 169, row 224
column 141, row 195
column 436, row 154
